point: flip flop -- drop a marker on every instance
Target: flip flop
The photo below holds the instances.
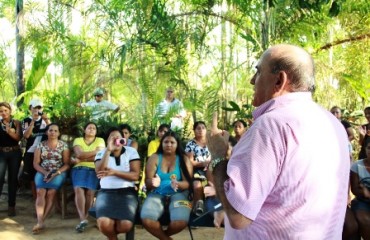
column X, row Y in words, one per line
column 37, row 229
column 81, row 226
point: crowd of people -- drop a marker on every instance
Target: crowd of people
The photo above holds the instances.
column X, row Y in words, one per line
column 274, row 179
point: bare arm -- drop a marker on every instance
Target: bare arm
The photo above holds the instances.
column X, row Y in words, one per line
column 359, row 190
column 132, row 175
column 37, row 161
column 350, row 133
column 85, row 156
column 237, row 220
column 150, row 171
column 16, row 133
column 134, row 144
column 195, row 164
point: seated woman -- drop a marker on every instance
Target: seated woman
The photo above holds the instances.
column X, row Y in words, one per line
column 83, row 174
column 360, row 187
column 51, row 161
column 239, row 127
column 168, row 179
column 154, row 144
column 118, row 167
column 199, row 156
column 127, row 132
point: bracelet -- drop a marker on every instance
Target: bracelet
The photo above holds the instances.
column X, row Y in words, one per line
column 215, row 162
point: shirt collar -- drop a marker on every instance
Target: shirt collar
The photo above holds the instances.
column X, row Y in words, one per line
column 123, row 150
column 281, row 101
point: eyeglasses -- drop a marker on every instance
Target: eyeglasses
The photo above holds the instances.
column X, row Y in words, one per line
column 99, row 95
column 169, row 91
column 38, row 107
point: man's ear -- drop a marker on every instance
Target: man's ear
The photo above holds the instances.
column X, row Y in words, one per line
column 281, row 82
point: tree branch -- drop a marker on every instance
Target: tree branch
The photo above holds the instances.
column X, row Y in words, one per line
column 338, row 42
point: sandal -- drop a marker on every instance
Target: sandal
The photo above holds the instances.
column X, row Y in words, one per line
column 81, row 226
column 37, row 229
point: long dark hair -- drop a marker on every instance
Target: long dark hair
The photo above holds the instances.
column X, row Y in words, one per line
column 180, row 152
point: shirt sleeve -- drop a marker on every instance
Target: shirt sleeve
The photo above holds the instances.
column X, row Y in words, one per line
column 152, row 148
column 354, row 167
column 188, row 147
column 134, row 155
column 101, row 142
column 99, row 155
column 253, row 170
column 110, row 105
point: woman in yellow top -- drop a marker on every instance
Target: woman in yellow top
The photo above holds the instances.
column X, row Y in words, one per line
column 154, row 144
column 83, row 174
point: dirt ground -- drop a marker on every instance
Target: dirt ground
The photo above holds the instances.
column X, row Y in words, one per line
column 20, row 226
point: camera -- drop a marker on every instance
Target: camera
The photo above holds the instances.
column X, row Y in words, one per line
column 120, row 141
column 41, row 113
column 366, row 182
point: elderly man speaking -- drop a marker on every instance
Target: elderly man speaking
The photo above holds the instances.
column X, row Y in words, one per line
column 288, row 175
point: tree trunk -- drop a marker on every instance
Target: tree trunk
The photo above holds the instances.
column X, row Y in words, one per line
column 20, row 53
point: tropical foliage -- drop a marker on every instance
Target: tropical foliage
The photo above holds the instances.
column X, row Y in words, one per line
column 206, row 49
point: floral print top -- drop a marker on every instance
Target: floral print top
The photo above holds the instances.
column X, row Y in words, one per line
column 201, row 154
column 52, row 159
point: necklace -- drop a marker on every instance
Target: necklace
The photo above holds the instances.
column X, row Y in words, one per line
column 3, row 125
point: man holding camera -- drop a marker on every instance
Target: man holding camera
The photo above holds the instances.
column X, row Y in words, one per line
column 34, row 132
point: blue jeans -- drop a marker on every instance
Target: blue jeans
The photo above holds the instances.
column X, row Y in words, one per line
column 10, row 161
column 179, row 206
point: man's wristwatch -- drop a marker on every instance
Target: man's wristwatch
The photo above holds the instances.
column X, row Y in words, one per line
column 215, row 161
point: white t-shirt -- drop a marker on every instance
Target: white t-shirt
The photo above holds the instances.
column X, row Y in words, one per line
column 128, row 154
column 100, row 110
column 173, row 108
column 360, row 168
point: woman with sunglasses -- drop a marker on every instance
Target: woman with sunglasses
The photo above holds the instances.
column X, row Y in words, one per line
column 10, row 153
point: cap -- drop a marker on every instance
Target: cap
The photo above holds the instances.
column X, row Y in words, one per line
column 36, row 102
column 98, row 91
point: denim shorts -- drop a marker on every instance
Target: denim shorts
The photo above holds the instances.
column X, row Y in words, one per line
column 154, row 206
column 84, row 177
column 55, row 183
column 357, row 205
column 118, row 204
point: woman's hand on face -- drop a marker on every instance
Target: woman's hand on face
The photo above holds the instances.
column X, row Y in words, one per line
column 156, row 181
column 111, row 144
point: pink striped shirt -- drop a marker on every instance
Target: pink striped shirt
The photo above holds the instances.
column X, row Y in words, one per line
column 289, row 173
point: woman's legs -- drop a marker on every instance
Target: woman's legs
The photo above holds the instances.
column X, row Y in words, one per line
column 155, row 228
column 80, row 202
column 363, row 218
column 14, row 162
column 3, row 167
column 350, row 227
column 107, row 227
column 175, row 227
column 123, row 226
column 50, row 196
column 89, row 196
column 40, row 205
